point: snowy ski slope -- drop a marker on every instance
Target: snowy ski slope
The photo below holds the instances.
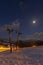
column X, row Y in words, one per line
column 24, row 56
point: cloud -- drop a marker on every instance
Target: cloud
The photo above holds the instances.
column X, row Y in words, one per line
column 15, row 26
column 21, row 4
column 38, row 34
column 35, row 36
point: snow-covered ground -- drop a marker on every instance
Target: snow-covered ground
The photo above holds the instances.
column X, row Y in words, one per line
column 25, row 56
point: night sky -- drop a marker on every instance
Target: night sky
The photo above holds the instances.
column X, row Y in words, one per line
column 25, row 11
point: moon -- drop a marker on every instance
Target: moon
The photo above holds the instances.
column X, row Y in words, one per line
column 34, row 22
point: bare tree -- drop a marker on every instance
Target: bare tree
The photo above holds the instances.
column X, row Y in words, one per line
column 19, row 33
column 10, row 30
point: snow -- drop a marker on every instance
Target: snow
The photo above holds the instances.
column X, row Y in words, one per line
column 24, row 56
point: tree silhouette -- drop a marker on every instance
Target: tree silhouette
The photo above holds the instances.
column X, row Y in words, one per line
column 17, row 45
column 10, row 30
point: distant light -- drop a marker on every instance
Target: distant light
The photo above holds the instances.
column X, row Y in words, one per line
column 34, row 46
column 34, row 22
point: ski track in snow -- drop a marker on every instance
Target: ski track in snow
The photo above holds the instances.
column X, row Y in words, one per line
column 25, row 56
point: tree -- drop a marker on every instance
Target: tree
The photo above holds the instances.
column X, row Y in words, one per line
column 10, row 30
column 17, row 45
